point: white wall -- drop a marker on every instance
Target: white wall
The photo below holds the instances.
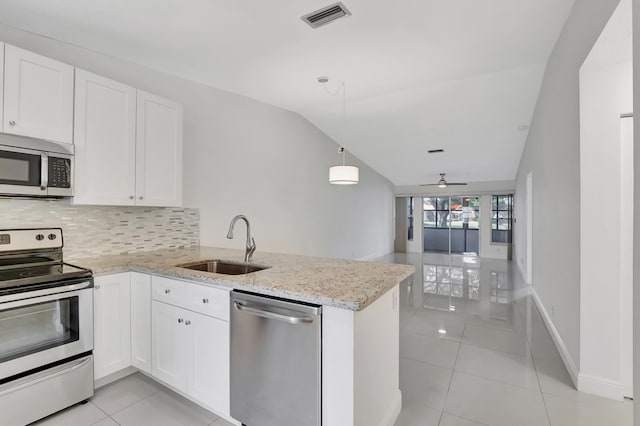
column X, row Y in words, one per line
column 243, row 156
column 606, row 87
column 552, row 153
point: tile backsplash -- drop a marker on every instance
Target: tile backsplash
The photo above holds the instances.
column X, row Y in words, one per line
column 97, row 230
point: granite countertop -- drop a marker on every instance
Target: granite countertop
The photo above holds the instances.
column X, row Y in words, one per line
column 345, row 284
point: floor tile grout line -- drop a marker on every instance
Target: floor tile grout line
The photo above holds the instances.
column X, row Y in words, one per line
column 446, row 397
column 129, row 405
column 533, row 361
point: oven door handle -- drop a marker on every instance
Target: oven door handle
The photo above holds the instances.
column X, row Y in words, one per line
column 42, row 376
column 44, row 292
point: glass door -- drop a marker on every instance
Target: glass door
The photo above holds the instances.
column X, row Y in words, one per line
column 32, row 328
column 20, row 168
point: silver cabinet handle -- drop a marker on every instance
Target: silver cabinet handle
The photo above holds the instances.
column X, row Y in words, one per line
column 187, row 322
column 131, row 197
column 97, row 286
column 205, row 301
column 141, row 197
column 262, row 312
column 12, row 123
column 180, row 320
column 167, row 290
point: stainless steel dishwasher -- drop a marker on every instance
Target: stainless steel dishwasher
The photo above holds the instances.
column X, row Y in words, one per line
column 275, row 361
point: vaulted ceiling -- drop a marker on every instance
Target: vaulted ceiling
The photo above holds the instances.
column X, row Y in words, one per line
column 460, row 75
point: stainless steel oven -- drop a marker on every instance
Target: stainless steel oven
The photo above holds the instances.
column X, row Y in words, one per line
column 30, row 167
column 46, row 327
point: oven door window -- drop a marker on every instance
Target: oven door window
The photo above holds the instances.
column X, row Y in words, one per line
column 33, row 328
column 17, row 168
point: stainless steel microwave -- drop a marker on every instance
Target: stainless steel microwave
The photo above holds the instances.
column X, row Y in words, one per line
column 35, row 168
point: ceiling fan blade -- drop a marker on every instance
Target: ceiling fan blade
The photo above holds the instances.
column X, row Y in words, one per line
column 455, row 183
column 429, row 184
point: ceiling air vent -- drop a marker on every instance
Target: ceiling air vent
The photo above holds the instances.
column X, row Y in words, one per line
column 435, row 151
column 326, row 15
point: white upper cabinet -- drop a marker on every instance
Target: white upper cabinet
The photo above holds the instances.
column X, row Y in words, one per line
column 128, row 145
column 38, row 96
column 105, row 141
column 158, row 151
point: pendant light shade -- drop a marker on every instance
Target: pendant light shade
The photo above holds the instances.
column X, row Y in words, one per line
column 344, row 175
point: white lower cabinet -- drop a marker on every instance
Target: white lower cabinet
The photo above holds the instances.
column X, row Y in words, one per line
column 190, row 343
column 208, row 369
column 170, row 341
column 150, row 322
column 112, row 333
column 141, row 321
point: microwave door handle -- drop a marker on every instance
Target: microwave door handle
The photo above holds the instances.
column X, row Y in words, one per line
column 44, row 171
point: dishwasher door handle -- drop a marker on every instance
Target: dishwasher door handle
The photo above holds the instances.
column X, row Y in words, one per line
column 263, row 311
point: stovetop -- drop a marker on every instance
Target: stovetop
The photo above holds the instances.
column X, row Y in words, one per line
column 22, row 278
column 32, row 259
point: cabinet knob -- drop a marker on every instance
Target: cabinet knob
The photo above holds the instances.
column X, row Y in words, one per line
column 205, row 300
column 12, row 123
column 187, row 322
column 97, row 287
column 180, row 320
column 131, row 197
column 141, row 197
column 167, row 290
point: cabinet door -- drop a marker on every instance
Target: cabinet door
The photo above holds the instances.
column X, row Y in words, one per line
column 112, row 336
column 105, row 131
column 38, row 96
column 158, row 152
column 208, row 374
column 141, row 321
column 170, row 344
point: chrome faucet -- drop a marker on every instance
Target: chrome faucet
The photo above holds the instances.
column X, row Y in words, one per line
column 251, row 244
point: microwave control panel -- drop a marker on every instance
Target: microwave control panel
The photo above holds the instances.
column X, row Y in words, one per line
column 59, row 172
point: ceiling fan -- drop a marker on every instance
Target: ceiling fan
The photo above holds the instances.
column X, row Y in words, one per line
column 442, row 183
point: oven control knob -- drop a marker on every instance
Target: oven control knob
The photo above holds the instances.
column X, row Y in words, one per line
column 39, row 237
column 52, row 237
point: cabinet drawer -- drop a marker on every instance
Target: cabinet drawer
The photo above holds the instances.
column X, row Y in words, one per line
column 169, row 291
column 208, row 301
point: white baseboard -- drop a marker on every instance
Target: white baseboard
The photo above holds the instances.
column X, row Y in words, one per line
column 557, row 340
column 601, row 387
column 390, row 417
column 114, row 376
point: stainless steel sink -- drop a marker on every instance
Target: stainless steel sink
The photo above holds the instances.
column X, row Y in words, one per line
column 222, row 267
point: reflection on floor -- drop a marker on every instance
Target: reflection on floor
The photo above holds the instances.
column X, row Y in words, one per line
column 474, row 351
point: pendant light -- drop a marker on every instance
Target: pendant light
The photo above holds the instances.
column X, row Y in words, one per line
column 341, row 174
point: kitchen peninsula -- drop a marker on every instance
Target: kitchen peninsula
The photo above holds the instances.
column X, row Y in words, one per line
column 360, row 324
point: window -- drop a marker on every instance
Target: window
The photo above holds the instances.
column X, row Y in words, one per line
column 461, row 209
column 501, row 218
column 410, row 218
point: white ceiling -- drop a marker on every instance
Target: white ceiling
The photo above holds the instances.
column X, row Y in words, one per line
column 457, row 74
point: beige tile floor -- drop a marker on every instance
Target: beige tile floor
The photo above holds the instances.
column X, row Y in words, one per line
column 496, row 365
column 135, row 400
